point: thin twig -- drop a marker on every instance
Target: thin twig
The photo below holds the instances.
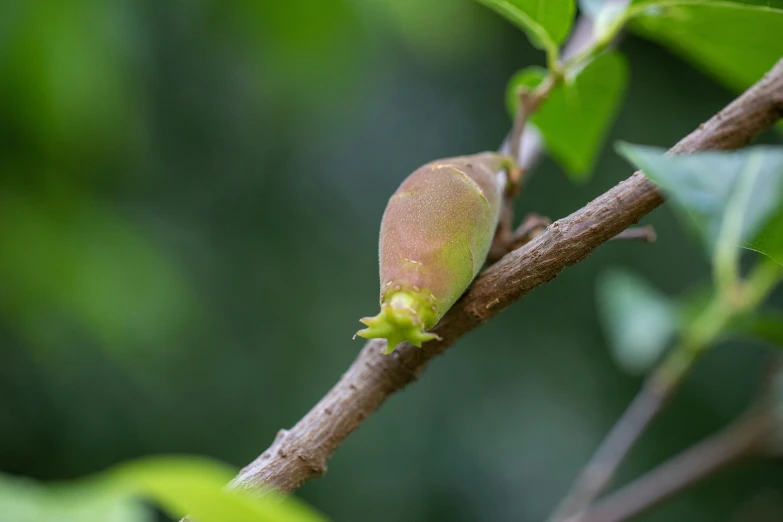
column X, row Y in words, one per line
column 524, row 145
column 301, row 454
column 661, row 385
column 748, row 436
column 602, row 467
column 743, row 439
column 529, row 102
column 646, row 234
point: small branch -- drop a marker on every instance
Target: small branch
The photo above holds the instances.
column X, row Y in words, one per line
column 743, row 439
column 300, row 454
column 529, row 102
column 646, row 234
column 597, row 475
column 661, row 385
column 524, row 145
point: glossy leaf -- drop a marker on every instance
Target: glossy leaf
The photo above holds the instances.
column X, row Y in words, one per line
column 575, row 119
column 735, row 42
column 638, row 320
column 546, row 22
column 741, row 190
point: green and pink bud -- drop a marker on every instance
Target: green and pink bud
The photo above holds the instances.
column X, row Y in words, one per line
column 435, row 236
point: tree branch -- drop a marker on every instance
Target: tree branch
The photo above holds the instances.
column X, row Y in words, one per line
column 600, row 470
column 745, row 438
column 300, row 454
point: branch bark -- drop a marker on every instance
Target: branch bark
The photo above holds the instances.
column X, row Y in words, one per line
column 300, row 454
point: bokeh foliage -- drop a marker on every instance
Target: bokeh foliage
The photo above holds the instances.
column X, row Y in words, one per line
column 189, row 201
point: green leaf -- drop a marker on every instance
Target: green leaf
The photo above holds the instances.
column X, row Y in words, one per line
column 178, row 485
column 765, row 325
column 738, row 193
column 25, row 500
column 639, row 321
column 546, row 22
column 183, row 486
column 575, row 119
column 734, row 42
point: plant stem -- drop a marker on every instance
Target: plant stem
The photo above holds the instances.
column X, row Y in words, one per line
column 597, row 475
column 529, row 102
column 742, row 439
column 726, row 256
column 761, row 282
column 661, row 385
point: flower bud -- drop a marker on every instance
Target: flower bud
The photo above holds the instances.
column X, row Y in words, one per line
column 435, row 236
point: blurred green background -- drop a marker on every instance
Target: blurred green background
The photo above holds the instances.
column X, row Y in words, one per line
column 190, row 194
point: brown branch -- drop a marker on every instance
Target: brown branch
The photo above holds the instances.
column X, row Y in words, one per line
column 745, row 438
column 661, row 385
column 752, row 435
column 600, row 470
column 506, row 239
column 524, row 145
column 300, row 454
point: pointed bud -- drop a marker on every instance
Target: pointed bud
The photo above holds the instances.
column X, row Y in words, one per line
column 435, row 236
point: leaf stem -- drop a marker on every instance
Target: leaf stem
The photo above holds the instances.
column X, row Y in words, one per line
column 529, row 103
column 727, row 253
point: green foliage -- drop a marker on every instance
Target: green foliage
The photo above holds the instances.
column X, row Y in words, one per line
column 546, row 22
column 734, row 198
column 639, row 321
column 735, row 42
column 576, row 117
column 77, row 262
column 415, row 20
column 194, row 486
column 24, row 500
column 178, row 485
column 321, row 34
column 60, row 60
